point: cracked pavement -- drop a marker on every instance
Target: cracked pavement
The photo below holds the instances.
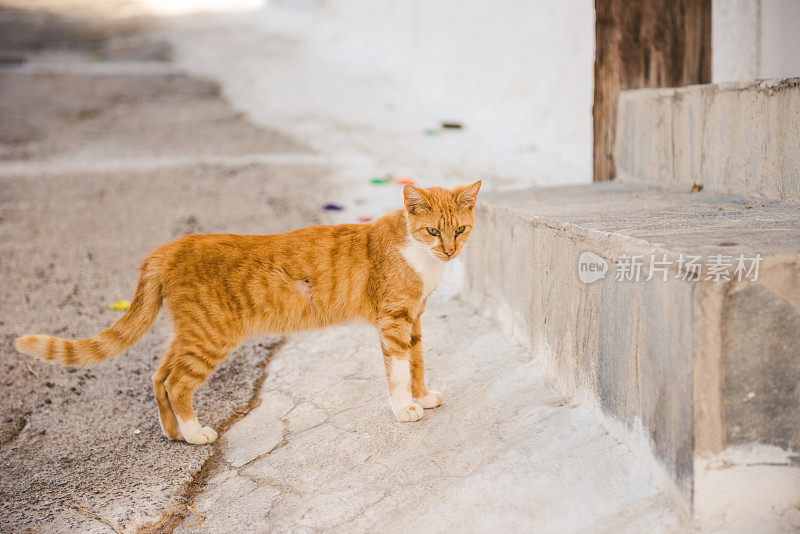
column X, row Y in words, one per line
column 323, row 452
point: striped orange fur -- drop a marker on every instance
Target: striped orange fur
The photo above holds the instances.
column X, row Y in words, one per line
column 221, row 288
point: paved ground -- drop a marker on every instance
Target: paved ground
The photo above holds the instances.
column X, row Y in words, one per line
column 504, row 453
column 106, row 150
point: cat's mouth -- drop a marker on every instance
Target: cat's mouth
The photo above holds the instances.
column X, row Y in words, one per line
column 442, row 256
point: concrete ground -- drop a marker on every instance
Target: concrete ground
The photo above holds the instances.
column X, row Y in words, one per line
column 503, row 453
column 109, row 149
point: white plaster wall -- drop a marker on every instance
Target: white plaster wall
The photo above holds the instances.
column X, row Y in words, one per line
column 518, row 69
column 734, row 40
column 780, row 38
column 755, row 39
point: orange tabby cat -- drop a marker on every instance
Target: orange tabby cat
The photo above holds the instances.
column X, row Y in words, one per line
column 221, row 288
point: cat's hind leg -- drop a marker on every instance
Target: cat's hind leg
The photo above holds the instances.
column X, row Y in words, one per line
column 169, row 423
column 189, row 366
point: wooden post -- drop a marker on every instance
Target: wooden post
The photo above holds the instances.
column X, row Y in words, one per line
column 644, row 43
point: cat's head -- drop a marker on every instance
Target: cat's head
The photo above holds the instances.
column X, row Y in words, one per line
column 441, row 218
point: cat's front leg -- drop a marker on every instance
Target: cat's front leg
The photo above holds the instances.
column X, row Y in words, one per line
column 426, row 398
column 395, row 331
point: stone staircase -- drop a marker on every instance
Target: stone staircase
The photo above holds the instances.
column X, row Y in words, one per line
column 672, row 309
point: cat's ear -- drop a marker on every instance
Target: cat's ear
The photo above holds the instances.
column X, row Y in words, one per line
column 467, row 195
column 415, row 199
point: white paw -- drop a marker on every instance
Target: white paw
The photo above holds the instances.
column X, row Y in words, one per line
column 201, row 436
column 431, row 400
column 410, row 412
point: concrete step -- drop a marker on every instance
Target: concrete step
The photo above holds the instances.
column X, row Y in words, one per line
column 741, row 138
column 703, row 375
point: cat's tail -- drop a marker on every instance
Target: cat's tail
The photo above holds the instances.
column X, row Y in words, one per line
column 125, row 332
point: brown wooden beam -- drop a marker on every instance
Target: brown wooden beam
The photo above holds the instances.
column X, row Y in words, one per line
column 644, row 43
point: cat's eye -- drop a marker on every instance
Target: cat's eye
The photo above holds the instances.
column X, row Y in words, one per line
column 433, row 231
column 460, row 230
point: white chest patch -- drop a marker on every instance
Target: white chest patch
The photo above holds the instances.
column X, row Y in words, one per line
column 427, row 267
